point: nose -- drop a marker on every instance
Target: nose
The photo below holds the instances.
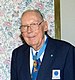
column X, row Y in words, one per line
column 29, row 29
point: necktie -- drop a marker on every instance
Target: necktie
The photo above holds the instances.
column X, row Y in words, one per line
column 36, row 66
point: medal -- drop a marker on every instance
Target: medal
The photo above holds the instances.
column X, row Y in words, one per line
column 35, row 65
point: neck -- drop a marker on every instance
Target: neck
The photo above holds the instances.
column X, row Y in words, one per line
column 38, row 46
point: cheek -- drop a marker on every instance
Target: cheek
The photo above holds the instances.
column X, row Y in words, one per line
column 27, row 40
column 24, row 36
column 40, row 35
column 30, row 38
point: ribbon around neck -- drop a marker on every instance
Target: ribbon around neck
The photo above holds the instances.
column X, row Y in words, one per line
column 42, row 49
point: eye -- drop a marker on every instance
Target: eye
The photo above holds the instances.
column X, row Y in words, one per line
column 33, row 24
column 24, row 26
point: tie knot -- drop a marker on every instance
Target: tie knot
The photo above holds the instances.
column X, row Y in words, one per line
column 36, row 53
column 35, row 56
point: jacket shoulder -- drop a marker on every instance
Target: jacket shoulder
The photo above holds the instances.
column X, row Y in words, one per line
column 61, row 44
column 21, row 48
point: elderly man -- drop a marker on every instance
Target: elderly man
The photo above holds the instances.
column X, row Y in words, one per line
column 41, row 57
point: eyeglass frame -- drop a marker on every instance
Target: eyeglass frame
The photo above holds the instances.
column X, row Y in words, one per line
column 31, row 26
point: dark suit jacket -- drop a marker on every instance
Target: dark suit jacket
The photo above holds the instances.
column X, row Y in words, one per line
column 59, row 55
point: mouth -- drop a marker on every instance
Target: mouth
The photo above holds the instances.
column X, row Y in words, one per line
column 31, row 37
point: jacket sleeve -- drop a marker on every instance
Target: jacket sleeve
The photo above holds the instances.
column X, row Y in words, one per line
column 14, row 66
column 69, row 68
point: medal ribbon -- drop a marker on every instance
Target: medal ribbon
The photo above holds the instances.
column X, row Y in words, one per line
column 40, row 51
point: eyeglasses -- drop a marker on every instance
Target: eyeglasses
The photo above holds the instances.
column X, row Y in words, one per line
column 33, row 26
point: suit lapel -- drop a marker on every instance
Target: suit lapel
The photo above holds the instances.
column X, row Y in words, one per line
column 48, row 59
column 25, row 67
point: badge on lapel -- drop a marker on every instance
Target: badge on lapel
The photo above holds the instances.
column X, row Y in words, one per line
column 55, row 74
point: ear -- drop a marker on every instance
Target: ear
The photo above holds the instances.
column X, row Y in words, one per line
column 45, row 26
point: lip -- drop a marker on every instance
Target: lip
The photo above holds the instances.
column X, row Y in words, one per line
column 31, row 36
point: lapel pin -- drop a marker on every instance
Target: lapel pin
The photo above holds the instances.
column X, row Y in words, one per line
column 51, row 55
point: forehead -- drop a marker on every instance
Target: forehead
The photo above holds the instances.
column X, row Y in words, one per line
column 31, row 15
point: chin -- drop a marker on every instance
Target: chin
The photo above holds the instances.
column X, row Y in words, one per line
column 32, row 44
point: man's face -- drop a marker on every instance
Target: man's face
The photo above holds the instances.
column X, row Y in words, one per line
column 33, row 36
